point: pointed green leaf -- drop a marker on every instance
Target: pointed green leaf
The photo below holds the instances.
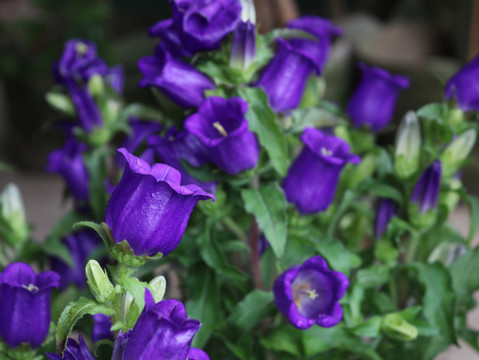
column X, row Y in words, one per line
column 254, row 307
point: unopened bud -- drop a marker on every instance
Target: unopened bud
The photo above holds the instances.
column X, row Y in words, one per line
column 396, row 327
column 60, row 102
column 98, row 281
column 243, row 50
column 456, row 152
column 13, row 212
column 455, row 117
column 158, row 287
column 96, row 87
column 248, row 11
column 408, row 146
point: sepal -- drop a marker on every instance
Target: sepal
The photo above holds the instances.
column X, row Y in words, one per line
column 398, row 328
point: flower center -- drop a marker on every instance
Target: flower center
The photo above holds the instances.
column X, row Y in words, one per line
column 326, row 152
column 220, row 128
column 32, row 288
column 299, row 292
column 81, row 49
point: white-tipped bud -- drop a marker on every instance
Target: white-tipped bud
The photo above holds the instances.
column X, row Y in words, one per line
column 158, row 287
column 408, row 146
column 456, row 152
column 98, row 281
column 248, row 11
column 95, row 85
column 13, row 211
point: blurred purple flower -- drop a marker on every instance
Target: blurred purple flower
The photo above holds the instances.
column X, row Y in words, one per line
column 101, row 328
column 426, row 192
column 243, row 50
column 197, row 354
column 88, row 113
column 169, row 38
column 115, row 77
column 74, row 351
column 136, row 140
column 386, row 210
column 464, row 86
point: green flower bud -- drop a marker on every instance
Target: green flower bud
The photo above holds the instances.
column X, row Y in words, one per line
column 451, row 198
column 408, row 146
column 60, row 102
column 396, row 327
column 95, row 86
column 99, row 283
column 158, row 287
column 13, row 213
column 455, row 117
column 456, row 152
column 421, row 220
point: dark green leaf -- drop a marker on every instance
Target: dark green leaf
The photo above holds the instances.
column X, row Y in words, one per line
column 95, row 162
column 430, row 111
column 371, row 186
column 338, row 257
column 252, row 309
column 314, row 116
column 373, row 276
column 370, row 328
column 465, row 281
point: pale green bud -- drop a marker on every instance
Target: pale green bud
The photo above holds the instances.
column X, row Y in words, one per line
column 99, row 283
column 456, row 152
column 95, row 85
column 60, row 102
column 158, row 287
column 248, row 11
column 408, row 146
column 455, row 117
column 112, row 111
column 451, row 197
column 13, row 211
column 396, row 327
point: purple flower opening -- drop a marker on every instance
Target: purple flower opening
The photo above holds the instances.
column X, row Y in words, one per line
column 25, row 304
column 310, row 294
column 426, row 192
column 386, row 210
column 221, row 126
column 74, row 351
column 149, row 208
column 313, row 177
column 374, row 99
column 464, row 86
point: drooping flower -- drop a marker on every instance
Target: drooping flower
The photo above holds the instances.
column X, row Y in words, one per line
column 374, row 99
column 464, row 86
column 176, row 145
column 426, row 191
column 149, row 208
column 221, row 126
column 179, row 81
column 25, row 304
column 309, row 294
column 284, row 78
column 386, row 210
column 74, row 351
column 243, row 50
column 136, row 141
column 68, row 162
column 324, row 31
column 87, row 111
column 197, row 354
column 78, row 62
column 101, row 328
column 80, row 245
column 203, row 24
column 312, row 179
column 169, row 38
column 162, row 332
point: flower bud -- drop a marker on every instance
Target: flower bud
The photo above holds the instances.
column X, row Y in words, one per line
column 243, row 51
column 457, row 151
column 60, row 102
column 455, row 117
column 451, row 197
column 396, row 327
column 158, row 287
column 408, row 146
column 386, row 210
column 95, row 85
column 13, row 212
column 248, row 11
column 98, row 281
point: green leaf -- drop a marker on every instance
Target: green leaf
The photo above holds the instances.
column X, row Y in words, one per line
column 254, row 307
column 439, row 298
column 95, row 162
column 74, row 312
column 286, row 338
column 287, row 33
column 373, row 276
column 370, row 328
column 464, row 278
column 473, row 207
column 143, row 112
column 430, row 111
column 262, row 121
column 371, row 186
column 268, row 205
column 338, row 256
column 314, row 116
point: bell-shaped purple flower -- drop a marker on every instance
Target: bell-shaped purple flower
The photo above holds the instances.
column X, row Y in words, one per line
column 243, row 50
column 149, row 208
column 169, row 37
column 68, row 162
column 176, row 145
column 220, row 124
column 312, row 179
column 324, row 31
column 309, row 294
column 80, row 245
column 74, row 351
column 78, row 63
column 25, row 304
column 179, row 81
column 101, row 328
column 426, row 191
column 136, row 141
column 203, row 24
column 197, row 354
column 87, row 111
column 284, row 78
column 374, row 100
column 464, row 86
column 162, row 332
column 386, row 210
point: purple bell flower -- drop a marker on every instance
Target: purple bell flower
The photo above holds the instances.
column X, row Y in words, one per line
column 74, row 351
column 374, row 100
column 101, row 328
column 140, row 131
column 309, row 294
column 220, row 124
column 312, row 179
column 386, row 210
column 68, row 162
column 243, row 50
column 149, row 208
column 463, row 86
column 324, row 31
column 78, row 63
column 169, row 37
column 179, row 81
column 162, row 332
column 88, row 113
column 176, row 145
column 115, row 77
column 80, row 245
column 203, row 24
column 197, row 354
column 284, row 78
column 25, row 304
column 426, row 191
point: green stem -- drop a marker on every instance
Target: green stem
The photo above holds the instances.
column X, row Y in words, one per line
column 411, row 251
column 393, row 288
column 235, row 229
